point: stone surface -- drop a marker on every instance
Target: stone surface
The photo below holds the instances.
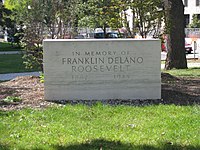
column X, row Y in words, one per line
column 102, row 69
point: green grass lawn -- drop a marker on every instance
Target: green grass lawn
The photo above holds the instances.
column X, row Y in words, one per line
column 6, row 46
column 188, row 61
column 12, row 63
column 81, row 127
column 190, row 72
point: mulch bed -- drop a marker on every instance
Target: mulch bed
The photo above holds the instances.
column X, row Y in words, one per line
column 178, row 91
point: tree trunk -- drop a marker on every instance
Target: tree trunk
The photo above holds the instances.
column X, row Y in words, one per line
column 176, row 57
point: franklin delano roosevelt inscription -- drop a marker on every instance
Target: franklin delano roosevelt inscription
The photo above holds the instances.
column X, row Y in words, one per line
column 100, row 62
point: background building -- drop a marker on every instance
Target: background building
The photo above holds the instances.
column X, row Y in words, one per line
column 191, row 7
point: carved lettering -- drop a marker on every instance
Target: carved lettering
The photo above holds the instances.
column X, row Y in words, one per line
column 100, row 62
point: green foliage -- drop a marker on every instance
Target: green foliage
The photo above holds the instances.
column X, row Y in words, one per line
column 5, row 20
column 195, row 22
column 16, row 5
column 43, row 19
column 100, row 14
column 79, row 127
column 42, row 77
column 10, row 99
column 33, row 57
column 148, row 16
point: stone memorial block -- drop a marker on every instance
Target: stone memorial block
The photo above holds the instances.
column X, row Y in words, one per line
column 96, row 69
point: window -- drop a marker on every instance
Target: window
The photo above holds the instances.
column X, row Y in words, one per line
column 197, row 2
column 198, row 16
column 186, row 3
column 187, row 20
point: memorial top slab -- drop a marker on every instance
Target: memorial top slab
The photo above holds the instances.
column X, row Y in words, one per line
column 119, row 39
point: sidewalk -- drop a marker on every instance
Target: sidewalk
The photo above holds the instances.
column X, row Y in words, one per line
column 9, row 76
column 10, row 52
column 188, row 56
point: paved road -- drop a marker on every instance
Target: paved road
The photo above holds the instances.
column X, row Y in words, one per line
column 188, row 56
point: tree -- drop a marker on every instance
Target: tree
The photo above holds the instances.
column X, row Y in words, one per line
column 147, row 16
column 5, row 20
column 174, row 22
column 43, row 19
column 1, row 12
column 100, row 14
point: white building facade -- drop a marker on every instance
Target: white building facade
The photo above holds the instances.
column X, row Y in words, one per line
column 191, row 7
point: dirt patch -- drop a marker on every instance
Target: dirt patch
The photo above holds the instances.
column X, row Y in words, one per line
column 29, row 89
column 178, row 91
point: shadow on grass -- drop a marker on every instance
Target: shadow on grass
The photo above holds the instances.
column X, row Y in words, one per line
column 101, row 144
column 171, row 96
column 4, row 147
column 6, row 46
column 4, row 113
column 184, row 92
column 180, row 91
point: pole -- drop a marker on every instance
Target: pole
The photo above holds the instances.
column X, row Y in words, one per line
column 195, row 47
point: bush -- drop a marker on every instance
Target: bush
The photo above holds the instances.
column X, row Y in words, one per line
column 32, row 43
